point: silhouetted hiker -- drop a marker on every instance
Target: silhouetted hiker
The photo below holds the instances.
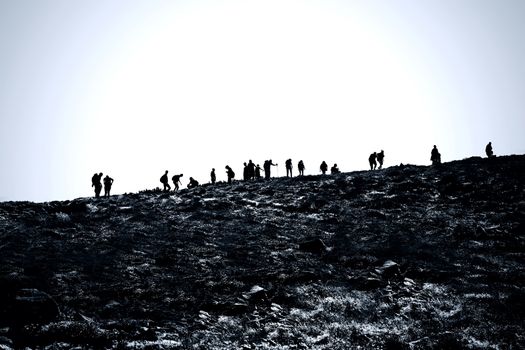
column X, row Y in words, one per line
column 288, row 164
column 258, row 172
column 164, row 181
column 323, row 167
column 372, row 161
column 380, row 158
column 95, row 182
column 435, row 156
column 193, row 183
column 107, row 185
column 267, row 168
column 300, row 166
column 245, row 172
column 334, row 170
column 212, row 176
column 230, row 174
column 488, row 150
column 176, row 181
column 251, row 170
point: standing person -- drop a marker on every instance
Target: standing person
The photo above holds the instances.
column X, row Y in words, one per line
column 488, row 150
column 212, row 176
column 95, row 182
column 288, row 165
column 176, row 181
column 323, row 167
column 267, row 168
column 251, row 170
column 230, row 174
column 300, row 166
column 380, row 158
column 245, row 172
column 258, row 172
column 372, row 161
column 107, row 185
column 164, row 181
column 334, row 170
column 435, row 156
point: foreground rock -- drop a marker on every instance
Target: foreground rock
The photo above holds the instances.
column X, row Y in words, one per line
column 402, row 258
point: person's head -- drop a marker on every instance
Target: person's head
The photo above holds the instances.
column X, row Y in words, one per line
column 191, row 178
column 212, row 169
column 250, row 161
column 335, row 165
column 244, row 163
column 101, row 174
column 181, row 175
column 434, row 146
column 166, row 172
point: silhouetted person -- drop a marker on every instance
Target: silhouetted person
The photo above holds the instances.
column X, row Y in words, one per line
column 300, row 166
column 212, row 176
column 176, row 181
column 245, row 172
column 334, row 170
column 164, row 181
column 372, row 161
column 251, row 170
column 380, row 158
column 435, row 156
column 230, row 174
column 193, row 183
column 488, row 150
column 258, row 172
column 323, row 167
column 267, row 168
column 107, row 185
column 288, row 164
column 95, row 182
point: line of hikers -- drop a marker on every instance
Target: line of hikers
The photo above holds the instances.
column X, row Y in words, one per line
column 253, row 172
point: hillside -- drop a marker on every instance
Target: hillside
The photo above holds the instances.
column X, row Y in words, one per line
column 408, row 257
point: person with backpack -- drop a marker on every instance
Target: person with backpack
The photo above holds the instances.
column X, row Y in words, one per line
column 372, row 161
column 323, row 167
column 334, row 170
column 288, row 165
column 488, row 150
column 230, row 174
column 176, row 181
column 212, row 176
column 107, row 185
column 435, row 156
column 164, row 181
column 380, row 158
column 95, row 182
column 300, row 166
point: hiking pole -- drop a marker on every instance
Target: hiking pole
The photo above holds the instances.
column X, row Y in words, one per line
column 277, row 165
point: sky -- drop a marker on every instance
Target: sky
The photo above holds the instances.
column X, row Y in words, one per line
column 133, row 88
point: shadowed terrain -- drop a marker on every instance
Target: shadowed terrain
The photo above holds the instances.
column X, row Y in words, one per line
column 408, row 257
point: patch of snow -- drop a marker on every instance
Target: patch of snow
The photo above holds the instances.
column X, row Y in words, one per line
column 63, row 217
column 478, row 296
column 143, row 344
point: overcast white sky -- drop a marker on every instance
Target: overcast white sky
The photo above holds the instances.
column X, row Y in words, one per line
column 133, row 88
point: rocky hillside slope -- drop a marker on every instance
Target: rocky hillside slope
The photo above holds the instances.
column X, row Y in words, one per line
column 408, row 257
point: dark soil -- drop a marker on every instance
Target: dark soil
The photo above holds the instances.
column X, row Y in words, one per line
column 408, row 257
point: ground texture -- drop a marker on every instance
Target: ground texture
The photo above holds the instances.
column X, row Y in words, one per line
column 407, row 257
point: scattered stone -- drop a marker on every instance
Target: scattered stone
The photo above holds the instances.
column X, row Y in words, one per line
column 34, row 306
